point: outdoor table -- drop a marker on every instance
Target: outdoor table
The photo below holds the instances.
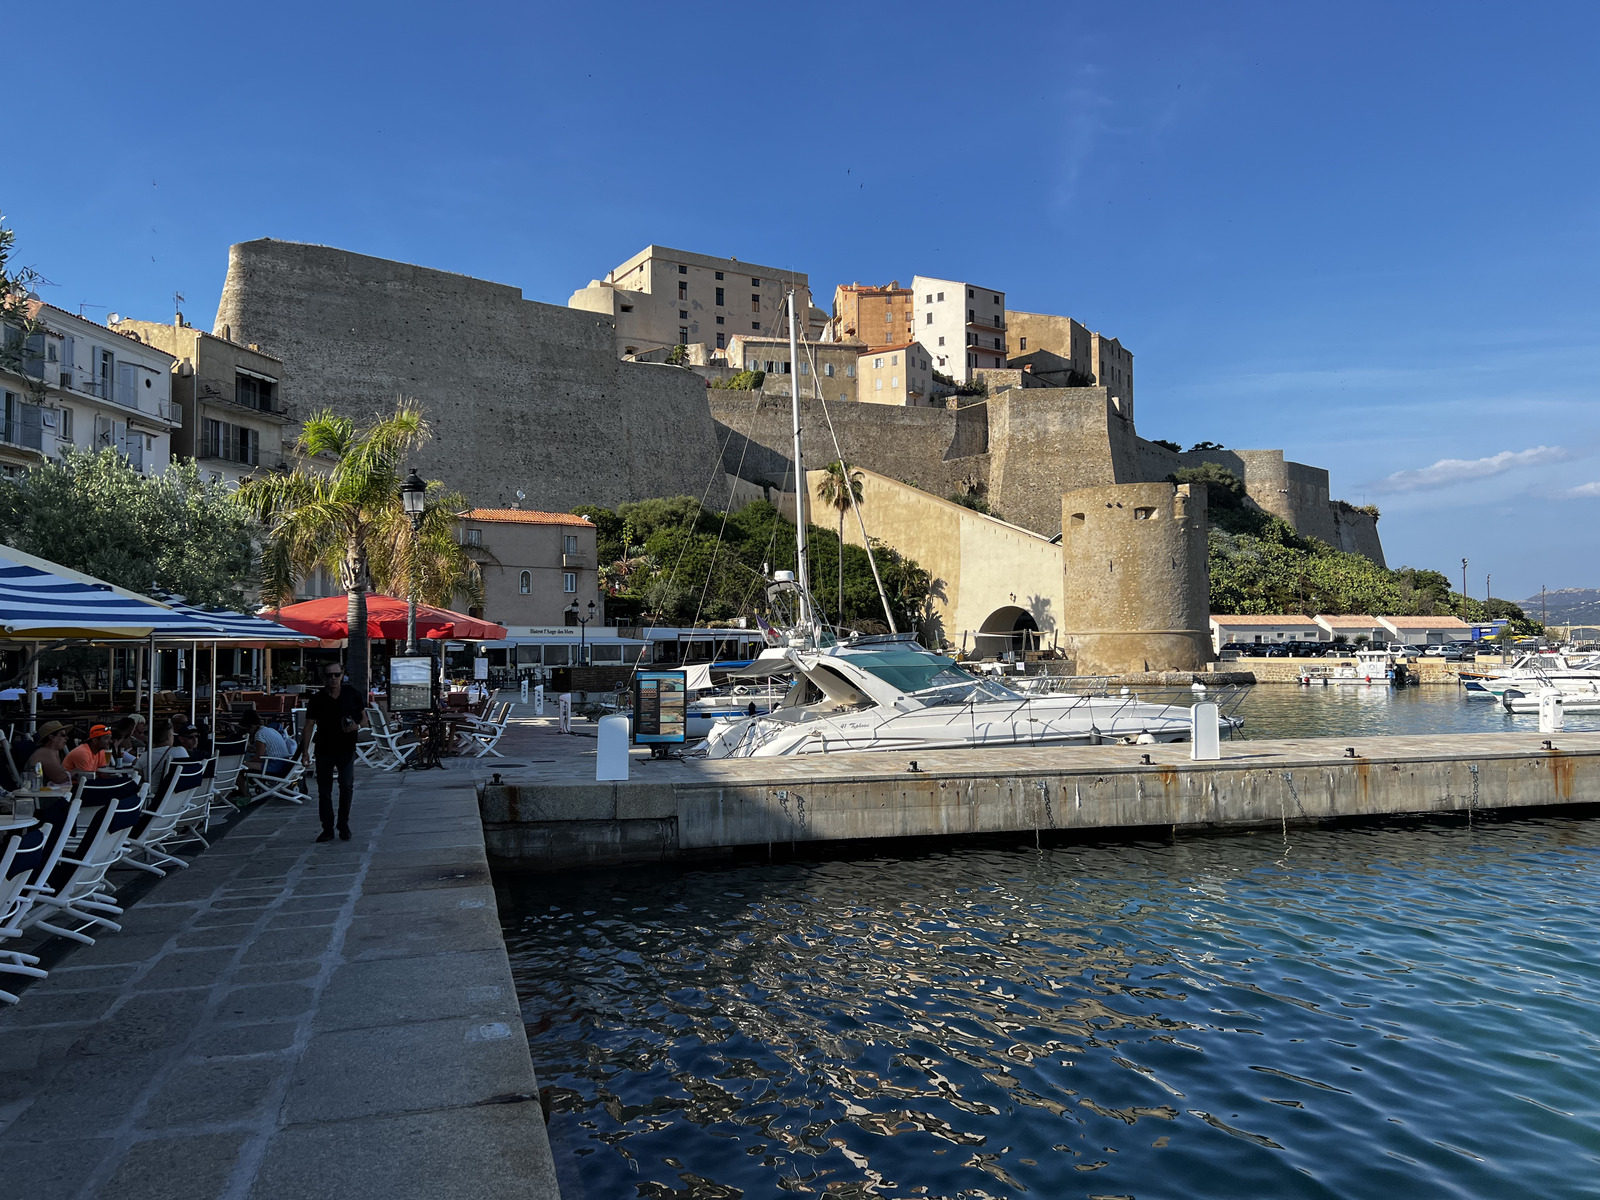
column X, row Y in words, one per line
column 16, row 824
column 47, row 691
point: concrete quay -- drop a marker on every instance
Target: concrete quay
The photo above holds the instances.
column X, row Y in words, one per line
column 286, row 1019
column 552, row 813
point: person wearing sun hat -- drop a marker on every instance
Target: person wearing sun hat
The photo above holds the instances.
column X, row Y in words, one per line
column 51, row 739
column 93, row 754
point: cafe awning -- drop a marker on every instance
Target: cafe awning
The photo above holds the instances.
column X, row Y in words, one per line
column 386, row 618
column 41, row 600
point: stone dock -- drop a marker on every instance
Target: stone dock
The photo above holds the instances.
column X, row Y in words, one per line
column 287, row 1020
column 549, row 812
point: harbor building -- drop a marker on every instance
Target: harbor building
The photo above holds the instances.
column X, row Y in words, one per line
column 963, row 325
column 900, row 374
column 873, row 316
column 665, row 297
column 1427, row 631
column 1265, row 630
column 85, row 385
column 235, row 421
column 536, row 567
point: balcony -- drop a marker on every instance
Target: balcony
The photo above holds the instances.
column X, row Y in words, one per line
column 578, row 561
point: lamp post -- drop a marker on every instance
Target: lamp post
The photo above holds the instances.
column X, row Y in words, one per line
column 583, row 626
column 413, row 498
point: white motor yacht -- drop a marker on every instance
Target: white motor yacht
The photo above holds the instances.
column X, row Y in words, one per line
column 1531, row 672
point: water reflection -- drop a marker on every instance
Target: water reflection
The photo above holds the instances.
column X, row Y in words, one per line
column 1286, row 710
column 1359, row 1013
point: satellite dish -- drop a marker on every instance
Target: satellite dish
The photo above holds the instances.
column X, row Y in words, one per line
column 113, row 318
column 521, row 495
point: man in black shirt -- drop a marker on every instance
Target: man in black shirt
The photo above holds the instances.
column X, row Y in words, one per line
column 333, row 716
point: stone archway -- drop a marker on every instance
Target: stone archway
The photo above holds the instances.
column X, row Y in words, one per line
column 1007, row 628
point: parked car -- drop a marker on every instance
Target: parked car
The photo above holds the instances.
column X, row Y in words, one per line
column 1239, row 648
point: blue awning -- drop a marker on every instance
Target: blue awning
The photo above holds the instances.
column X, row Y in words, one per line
column 41, row 599
column 237, row 629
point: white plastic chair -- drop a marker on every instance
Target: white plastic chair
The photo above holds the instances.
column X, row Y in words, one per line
column 77, row 887
column 481, row 736
column 384, row 749
column 175, row 798
column 265, row 785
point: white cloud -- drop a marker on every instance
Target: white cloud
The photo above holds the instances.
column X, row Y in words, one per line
column 1448, row 471
column 1583, row 489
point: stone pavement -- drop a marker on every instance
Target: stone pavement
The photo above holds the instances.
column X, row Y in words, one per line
column 287, row 1019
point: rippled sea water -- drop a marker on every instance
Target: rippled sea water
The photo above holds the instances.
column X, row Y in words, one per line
column 1408, row 1009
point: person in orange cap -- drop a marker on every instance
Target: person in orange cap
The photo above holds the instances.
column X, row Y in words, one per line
column 92, row 755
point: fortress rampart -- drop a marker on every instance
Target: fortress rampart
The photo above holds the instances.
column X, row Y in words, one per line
column 520, row 394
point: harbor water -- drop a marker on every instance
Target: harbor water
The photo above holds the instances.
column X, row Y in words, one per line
column 1405, row 1008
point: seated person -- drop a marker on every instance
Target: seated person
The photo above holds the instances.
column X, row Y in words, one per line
column 125, row 734
column 265, row 743
column 52, row 743
column 151, row 768
column 93, row 755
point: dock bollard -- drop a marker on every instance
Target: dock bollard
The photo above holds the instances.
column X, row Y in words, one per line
column 611, row 748
column 1205, row 738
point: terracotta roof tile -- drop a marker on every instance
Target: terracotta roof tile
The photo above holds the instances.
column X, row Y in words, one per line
column 524, row 516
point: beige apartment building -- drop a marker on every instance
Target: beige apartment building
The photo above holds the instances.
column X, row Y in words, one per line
column 1064, row 353
column 665, row 297
column 874, row 316
column 962, row 325
column 826, row 368
column 235, row 422
column 85, row 385
column 544, row 564
column 901, row 374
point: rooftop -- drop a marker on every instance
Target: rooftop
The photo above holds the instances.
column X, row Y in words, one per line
column 886, row 349
column 1445, row 622
column 523, row 516
column 1263, row 619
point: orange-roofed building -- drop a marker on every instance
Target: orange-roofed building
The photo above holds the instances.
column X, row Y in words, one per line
column 544, row 563
column 1427, row 631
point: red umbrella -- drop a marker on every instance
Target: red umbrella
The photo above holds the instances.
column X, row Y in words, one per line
column 386, row 618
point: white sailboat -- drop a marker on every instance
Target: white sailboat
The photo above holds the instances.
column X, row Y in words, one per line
column 888, row 693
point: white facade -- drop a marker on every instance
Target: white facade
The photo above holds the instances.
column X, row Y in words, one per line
column 1427, row 631
column 962, row 325
column 662, row 297
column 1265, row 630
column 900, row 375
column 90, row 387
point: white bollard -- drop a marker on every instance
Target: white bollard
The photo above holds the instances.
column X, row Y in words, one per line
column 524, row 689
column 1552, row 710
column 1205, row 739
column 538, row 701
column 611, row 759
column 564, row 713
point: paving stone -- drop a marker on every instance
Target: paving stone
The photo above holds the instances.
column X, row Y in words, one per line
column 213, row 936
column 240, row 903
column 237, row 1041
column 83, row 1094
column 498, row 1150
column 278, row 972
column 394, row 990
column 69, row 976
column 169, row 1167
column 371, row 937
column 212, row 1092
column 146, row 1022
column 67, row 1006
column 157, row 918
column 187, row 968
column 265, row 1001
column 434, row 1064
column 53, row 1170
column 286, row 945
column 113, row 949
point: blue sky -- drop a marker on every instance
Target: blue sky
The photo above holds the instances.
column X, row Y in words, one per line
column 1364, row 233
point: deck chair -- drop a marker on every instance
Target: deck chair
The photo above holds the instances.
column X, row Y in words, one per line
column 22, row 858
column 480, row 737
column 286, row 784
column 383, row 749
column 172, row 801
column 225, row 778
column 77, row 886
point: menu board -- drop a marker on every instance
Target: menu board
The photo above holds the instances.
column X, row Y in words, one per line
column 660, row 702
column 410, row 684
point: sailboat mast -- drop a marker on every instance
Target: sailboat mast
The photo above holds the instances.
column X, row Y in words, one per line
column 801, row 489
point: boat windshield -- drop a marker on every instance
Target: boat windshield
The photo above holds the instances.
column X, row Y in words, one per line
column 916, row 671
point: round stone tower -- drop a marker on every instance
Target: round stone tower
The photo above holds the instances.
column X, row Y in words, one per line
column 1136, row 594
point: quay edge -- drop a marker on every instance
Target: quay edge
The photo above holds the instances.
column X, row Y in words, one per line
column 702, row 810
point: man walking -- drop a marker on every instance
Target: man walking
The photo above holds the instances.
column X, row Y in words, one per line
column 333, row 717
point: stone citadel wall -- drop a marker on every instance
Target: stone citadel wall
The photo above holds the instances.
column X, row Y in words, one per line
column 520, row 394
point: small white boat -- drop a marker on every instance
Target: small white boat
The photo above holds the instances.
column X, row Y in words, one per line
column 1576, row 695
column 1531, row 672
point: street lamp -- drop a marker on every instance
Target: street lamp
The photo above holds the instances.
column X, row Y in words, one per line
column 413, row 499
column 583, row 625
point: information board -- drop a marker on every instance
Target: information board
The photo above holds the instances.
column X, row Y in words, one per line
column 660, row 705
column 410, row 685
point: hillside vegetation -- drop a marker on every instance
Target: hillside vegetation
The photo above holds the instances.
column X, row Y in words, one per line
column 1259, row 564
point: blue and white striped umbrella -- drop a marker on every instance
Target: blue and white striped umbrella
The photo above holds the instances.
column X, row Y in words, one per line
column 240, row 629
column 41, row 599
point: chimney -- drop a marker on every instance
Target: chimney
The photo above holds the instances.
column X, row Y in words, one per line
column 177, row 319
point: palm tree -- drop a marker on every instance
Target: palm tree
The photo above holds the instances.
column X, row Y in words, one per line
column 343, row 511
column 839, row 490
